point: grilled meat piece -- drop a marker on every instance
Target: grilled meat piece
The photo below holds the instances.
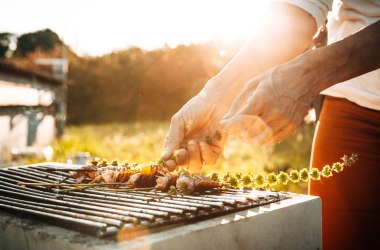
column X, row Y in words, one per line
column 110, row 176
column 80, row 176
column 147, row 176
column 185, row 183
column 124, row 175
column 165, row 181
column 134, row 180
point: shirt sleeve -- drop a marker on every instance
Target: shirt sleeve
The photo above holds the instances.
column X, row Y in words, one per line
column 317, row 8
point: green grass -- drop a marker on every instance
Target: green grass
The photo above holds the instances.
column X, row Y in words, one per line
column 134, row 142
column 143, row 142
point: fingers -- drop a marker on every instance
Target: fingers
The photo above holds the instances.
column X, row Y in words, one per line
column 242, row 98
column 174, row 136
column 242, row 119
column 171, row 165
column 236, row 124
column 283, row 131
column 264, row 137
column 236, row 106
column 182, row 157
column 196, row 155
column 249, row 128
column 195, row 161
column 249, row 123
column 209, row 153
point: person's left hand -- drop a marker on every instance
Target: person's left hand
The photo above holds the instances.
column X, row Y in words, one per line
column 271, row 106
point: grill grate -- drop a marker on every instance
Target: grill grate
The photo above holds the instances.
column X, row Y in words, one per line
column 105, row 213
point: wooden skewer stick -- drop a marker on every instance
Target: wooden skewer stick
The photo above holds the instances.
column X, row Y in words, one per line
column 70, row 169
column 108, row 189
column 67, row 184
column 127, row 189
column 75, row 189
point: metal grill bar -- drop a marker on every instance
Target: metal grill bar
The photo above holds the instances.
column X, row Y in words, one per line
column 87, row 226
column 133, row 199
column 103, row 213
column 119, row 219
column 60, row 211
column 73, row 202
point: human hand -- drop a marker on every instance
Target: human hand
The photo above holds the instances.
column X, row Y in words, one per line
column 196, row 127
column 271, row 106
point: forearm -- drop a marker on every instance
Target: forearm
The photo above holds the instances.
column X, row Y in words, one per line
column 351, row 57
column 284, row 34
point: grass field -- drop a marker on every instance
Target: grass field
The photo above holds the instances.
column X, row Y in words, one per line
column 143, row 142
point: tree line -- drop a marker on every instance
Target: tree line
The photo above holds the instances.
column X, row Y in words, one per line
column 127, row 85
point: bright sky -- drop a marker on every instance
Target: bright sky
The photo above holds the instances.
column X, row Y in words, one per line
column 96, row 27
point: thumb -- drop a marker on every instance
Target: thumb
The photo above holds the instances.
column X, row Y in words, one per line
column 241, row 100
column 241, row 120
column 174, row 136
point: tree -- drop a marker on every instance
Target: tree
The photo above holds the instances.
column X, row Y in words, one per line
column 43, row 40
column 7, row 44
column 127, row 85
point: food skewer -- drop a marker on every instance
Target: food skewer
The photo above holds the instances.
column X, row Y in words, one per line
column 156, row 176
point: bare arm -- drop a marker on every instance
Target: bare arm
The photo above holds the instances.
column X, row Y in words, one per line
column 285, row 32
column 272, row 105
column 351, row 57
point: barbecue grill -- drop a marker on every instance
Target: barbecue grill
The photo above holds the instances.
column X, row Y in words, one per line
column 139, row 216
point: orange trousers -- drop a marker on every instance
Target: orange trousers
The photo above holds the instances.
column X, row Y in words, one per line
column 350, row 199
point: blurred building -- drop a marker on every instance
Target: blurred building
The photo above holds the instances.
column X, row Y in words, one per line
column 32, row 110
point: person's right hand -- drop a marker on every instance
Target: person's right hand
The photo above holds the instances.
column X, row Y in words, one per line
column 196, row 128
column 197, row 122
column 272, row 105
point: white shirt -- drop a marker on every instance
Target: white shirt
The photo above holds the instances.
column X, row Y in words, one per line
column 348, row 17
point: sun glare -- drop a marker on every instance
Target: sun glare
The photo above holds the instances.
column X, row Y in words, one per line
column 238, row 19
column 171, row 23
column 100, row 26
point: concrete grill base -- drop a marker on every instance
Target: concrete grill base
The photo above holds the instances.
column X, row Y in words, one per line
column 293, row 223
